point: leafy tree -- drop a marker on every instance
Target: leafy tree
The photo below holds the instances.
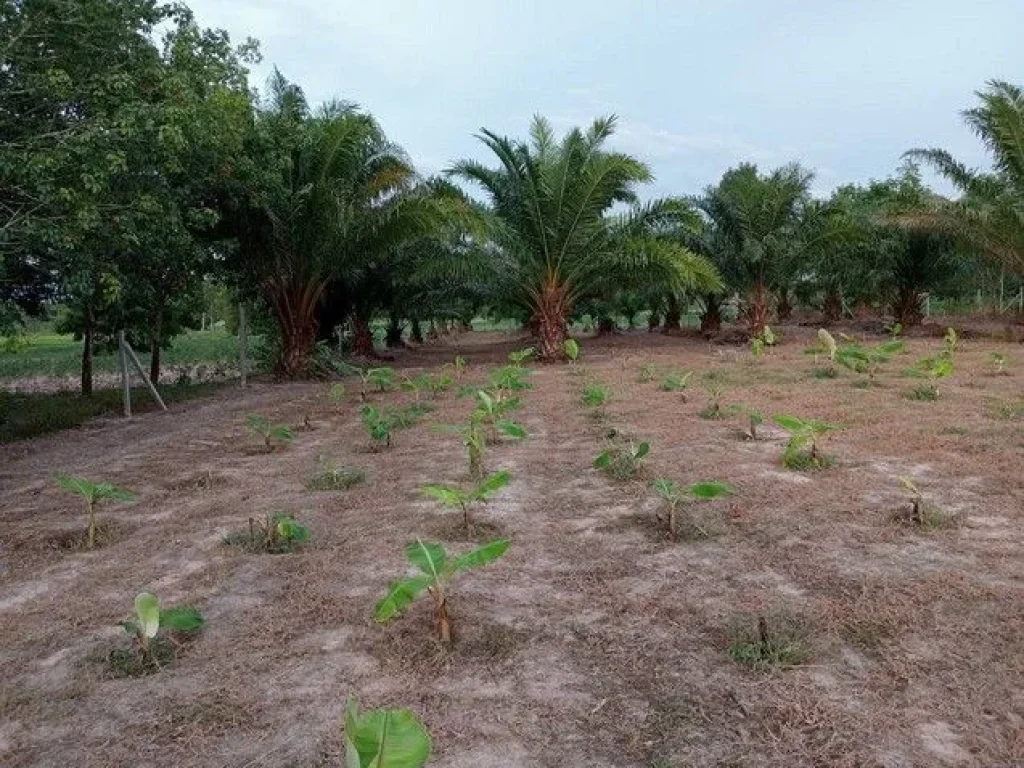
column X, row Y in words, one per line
column 555, row 238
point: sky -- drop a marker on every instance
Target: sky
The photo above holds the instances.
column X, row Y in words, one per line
column 842, row 86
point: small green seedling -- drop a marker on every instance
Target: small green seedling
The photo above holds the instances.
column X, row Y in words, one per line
column 437, row 570
column 713, row 410
column 622, row 462
column 377, row 425
column 648, row 373
column 150, row 623
column 595, row 396
column 754, row 419
column 676, row 382
column 520, row 356
column 276, row 534
column 382, row 379
column 867, row 361
column 460, row 366
column 336, row 394
column 451, row 496
column 572, row 350
column 998, row 363
column 784, row 646
column 384, row 738
column 895, row 331
column 92, row 494
column 416, row 384
column 440, row 383
column 510, row 378
column 332, row 477
column 762, row 341
column 802, row 450
column 273, row 435
column 677, row 498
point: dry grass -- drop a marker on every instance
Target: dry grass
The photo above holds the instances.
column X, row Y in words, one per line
column 594, row 642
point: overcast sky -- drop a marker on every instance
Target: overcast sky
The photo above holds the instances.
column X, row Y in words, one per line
column 843, row 86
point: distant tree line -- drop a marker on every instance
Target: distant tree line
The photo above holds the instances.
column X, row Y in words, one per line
column 142, row 180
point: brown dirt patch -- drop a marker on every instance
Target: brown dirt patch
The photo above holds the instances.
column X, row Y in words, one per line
column 594, row 642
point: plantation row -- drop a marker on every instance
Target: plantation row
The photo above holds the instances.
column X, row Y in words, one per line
column 158, row 631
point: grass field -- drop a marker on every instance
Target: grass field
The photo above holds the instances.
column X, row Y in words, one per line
column 50, row 355
column 595, row 642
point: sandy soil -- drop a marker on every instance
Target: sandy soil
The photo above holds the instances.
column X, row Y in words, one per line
column 594, row 642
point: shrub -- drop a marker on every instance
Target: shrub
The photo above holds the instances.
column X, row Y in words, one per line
column 677, row 499
column 802, row 451
column 92, row 495
column 394, row 738
column 437, row 569
column 274, row 435
column 594, row 396
column 451, row 496
column 648, row 372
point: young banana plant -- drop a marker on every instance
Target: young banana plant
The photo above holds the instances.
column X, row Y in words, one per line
column 677, row 382
column 677, row 497
column 572, row 350
column 92, row 494
column 452, row 496
column 754, row 419
column 520, row 356
column 280, row 532
column 916, row 500
column 377, row 425
column 149, row 620
column 273, row 434
column 622, row 462
column 802, row 448
column 384, row 738
column 437, row 569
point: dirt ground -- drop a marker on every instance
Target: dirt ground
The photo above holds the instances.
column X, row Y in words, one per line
column 594, row 641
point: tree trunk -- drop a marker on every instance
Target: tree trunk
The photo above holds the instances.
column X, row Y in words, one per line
column 549, row 314
column 907, row 309
column 362, row 337
column 155, row 337
column 416, row 331
column 757, row 310
column 833, row 306
column 295, row 309
column 711, row 317
column 671, row 316
column 653, row 322
column 87, row 341
column 784, row 306
column 393, row 338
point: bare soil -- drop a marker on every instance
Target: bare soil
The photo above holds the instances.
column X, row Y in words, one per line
column 594, row 641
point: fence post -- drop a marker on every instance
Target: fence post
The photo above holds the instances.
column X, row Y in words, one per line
column 125, row 384
column 243, row 344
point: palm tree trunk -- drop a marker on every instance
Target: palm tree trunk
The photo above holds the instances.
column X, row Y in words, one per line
column 605, row 326
column 653, row 322
column 295, row 310
column 416, row 331
column 393, row 338
column 711, row 317
column 784, row 306
column 672, row 316
column 549, row 314
column 758, row 306
column 907, row 309
column 362, row 337
column 833, row 306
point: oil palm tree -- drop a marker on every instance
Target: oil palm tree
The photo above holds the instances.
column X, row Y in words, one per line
column 334, row 196
column 556, row 236
column 989, row 216
column 753, row 217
